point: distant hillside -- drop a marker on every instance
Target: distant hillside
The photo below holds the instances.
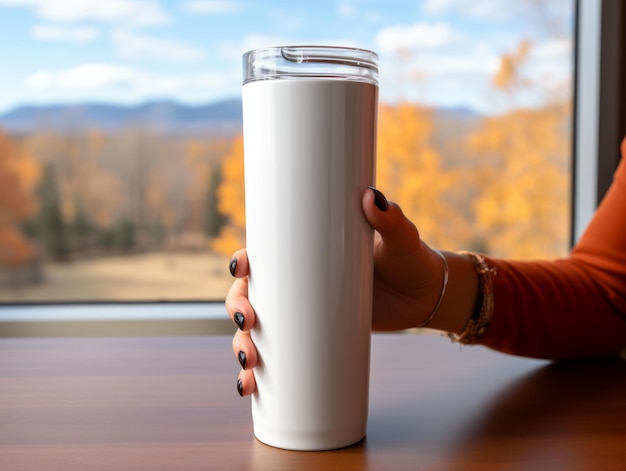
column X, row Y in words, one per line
column 222, row 117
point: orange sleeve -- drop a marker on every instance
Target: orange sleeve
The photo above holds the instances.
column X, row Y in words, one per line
column 573, row 307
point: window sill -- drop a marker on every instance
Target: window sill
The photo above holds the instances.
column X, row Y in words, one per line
column 114, row 319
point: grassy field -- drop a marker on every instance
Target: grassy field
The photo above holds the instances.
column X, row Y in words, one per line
column 143, row 277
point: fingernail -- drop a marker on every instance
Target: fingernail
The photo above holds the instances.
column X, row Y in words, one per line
column 240, row 387
column 242, row 359
column 379, row 199
column 233, row 266
column 239, row 320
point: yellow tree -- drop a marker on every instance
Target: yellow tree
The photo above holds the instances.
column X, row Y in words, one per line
column 230, row 195
column 522, row 171
column 18, row 175
column 411, row 172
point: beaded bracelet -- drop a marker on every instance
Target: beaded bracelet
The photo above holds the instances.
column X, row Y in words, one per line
column 446, row 271
column 478, row 323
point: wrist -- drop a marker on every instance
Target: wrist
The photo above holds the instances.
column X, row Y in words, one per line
column 444, row 285
column 484, row 305
column 459, row 299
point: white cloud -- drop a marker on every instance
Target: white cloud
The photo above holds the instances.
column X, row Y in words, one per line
column 434, row 76
column 83, row 77
column 534, row 13
column 436, row 68
column 349, row 10
column 212, row 6
column 487, row 9
column 64, row 33
column 550, row 63
column 555, row 49
column 346, row 10
column 459, row 65
column 439, row 6
column 130, row 45
column 419, row 35
column 103, row 78
column 128, row 12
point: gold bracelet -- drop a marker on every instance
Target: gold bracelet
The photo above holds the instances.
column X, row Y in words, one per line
column 443, row 290
column 478, row 323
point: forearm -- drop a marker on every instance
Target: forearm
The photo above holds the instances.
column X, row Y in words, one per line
column 552, row 310
column 541, row 309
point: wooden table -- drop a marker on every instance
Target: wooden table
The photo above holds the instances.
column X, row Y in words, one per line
column 169, row 403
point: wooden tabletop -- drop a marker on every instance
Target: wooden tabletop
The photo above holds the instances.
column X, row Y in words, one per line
column 170, row 403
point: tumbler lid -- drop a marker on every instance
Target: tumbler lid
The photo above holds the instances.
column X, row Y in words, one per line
column 292, row 62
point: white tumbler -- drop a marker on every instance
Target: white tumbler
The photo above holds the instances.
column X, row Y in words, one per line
column 309, row 121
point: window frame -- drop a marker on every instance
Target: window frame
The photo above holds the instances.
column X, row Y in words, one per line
column 599, row 124
column 599, row 121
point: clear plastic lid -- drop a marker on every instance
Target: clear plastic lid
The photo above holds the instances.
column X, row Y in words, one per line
column 322, row 62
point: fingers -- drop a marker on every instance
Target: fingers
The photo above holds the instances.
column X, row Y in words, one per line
column 242, row 314
column 237, row 304
column 244, row 351
column 239, row 264
column 246, row 384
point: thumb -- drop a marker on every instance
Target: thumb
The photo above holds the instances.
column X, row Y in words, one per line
column 402, row 261
column 399, row 235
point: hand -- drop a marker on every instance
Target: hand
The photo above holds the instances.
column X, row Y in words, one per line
column 407, row 282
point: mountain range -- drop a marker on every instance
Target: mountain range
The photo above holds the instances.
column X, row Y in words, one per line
column 223, row 118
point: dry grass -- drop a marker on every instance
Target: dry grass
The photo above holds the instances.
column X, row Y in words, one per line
column 144, row 277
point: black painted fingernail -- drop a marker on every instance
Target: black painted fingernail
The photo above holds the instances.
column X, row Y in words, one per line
column 239, row 320
column 240, row 387
column 242, row 359
column 379, row 199
column 233, row 266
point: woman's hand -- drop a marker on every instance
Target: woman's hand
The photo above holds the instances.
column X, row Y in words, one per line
column 408, row 277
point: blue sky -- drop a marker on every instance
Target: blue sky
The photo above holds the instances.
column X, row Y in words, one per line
column 437, row 52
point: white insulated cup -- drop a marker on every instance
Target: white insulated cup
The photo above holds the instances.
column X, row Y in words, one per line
column 309, row 122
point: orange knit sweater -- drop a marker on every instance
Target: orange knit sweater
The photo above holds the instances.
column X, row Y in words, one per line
column 574, row 307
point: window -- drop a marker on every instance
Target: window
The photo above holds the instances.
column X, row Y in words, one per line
column 600, row 118
column 120, row 133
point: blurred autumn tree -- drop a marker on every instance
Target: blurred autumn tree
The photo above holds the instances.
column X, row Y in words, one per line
column 49, row 225
column 230, row 195
column 522, row 172
column 203, row 192
column 134, row 189
column 411, row 172
column 18, row 175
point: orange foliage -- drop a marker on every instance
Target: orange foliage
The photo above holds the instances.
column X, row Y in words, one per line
column 522, row 208
column 230, row 196
column 410, row 171
column 508, row 76
column 523, row 171
column 18, row 175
